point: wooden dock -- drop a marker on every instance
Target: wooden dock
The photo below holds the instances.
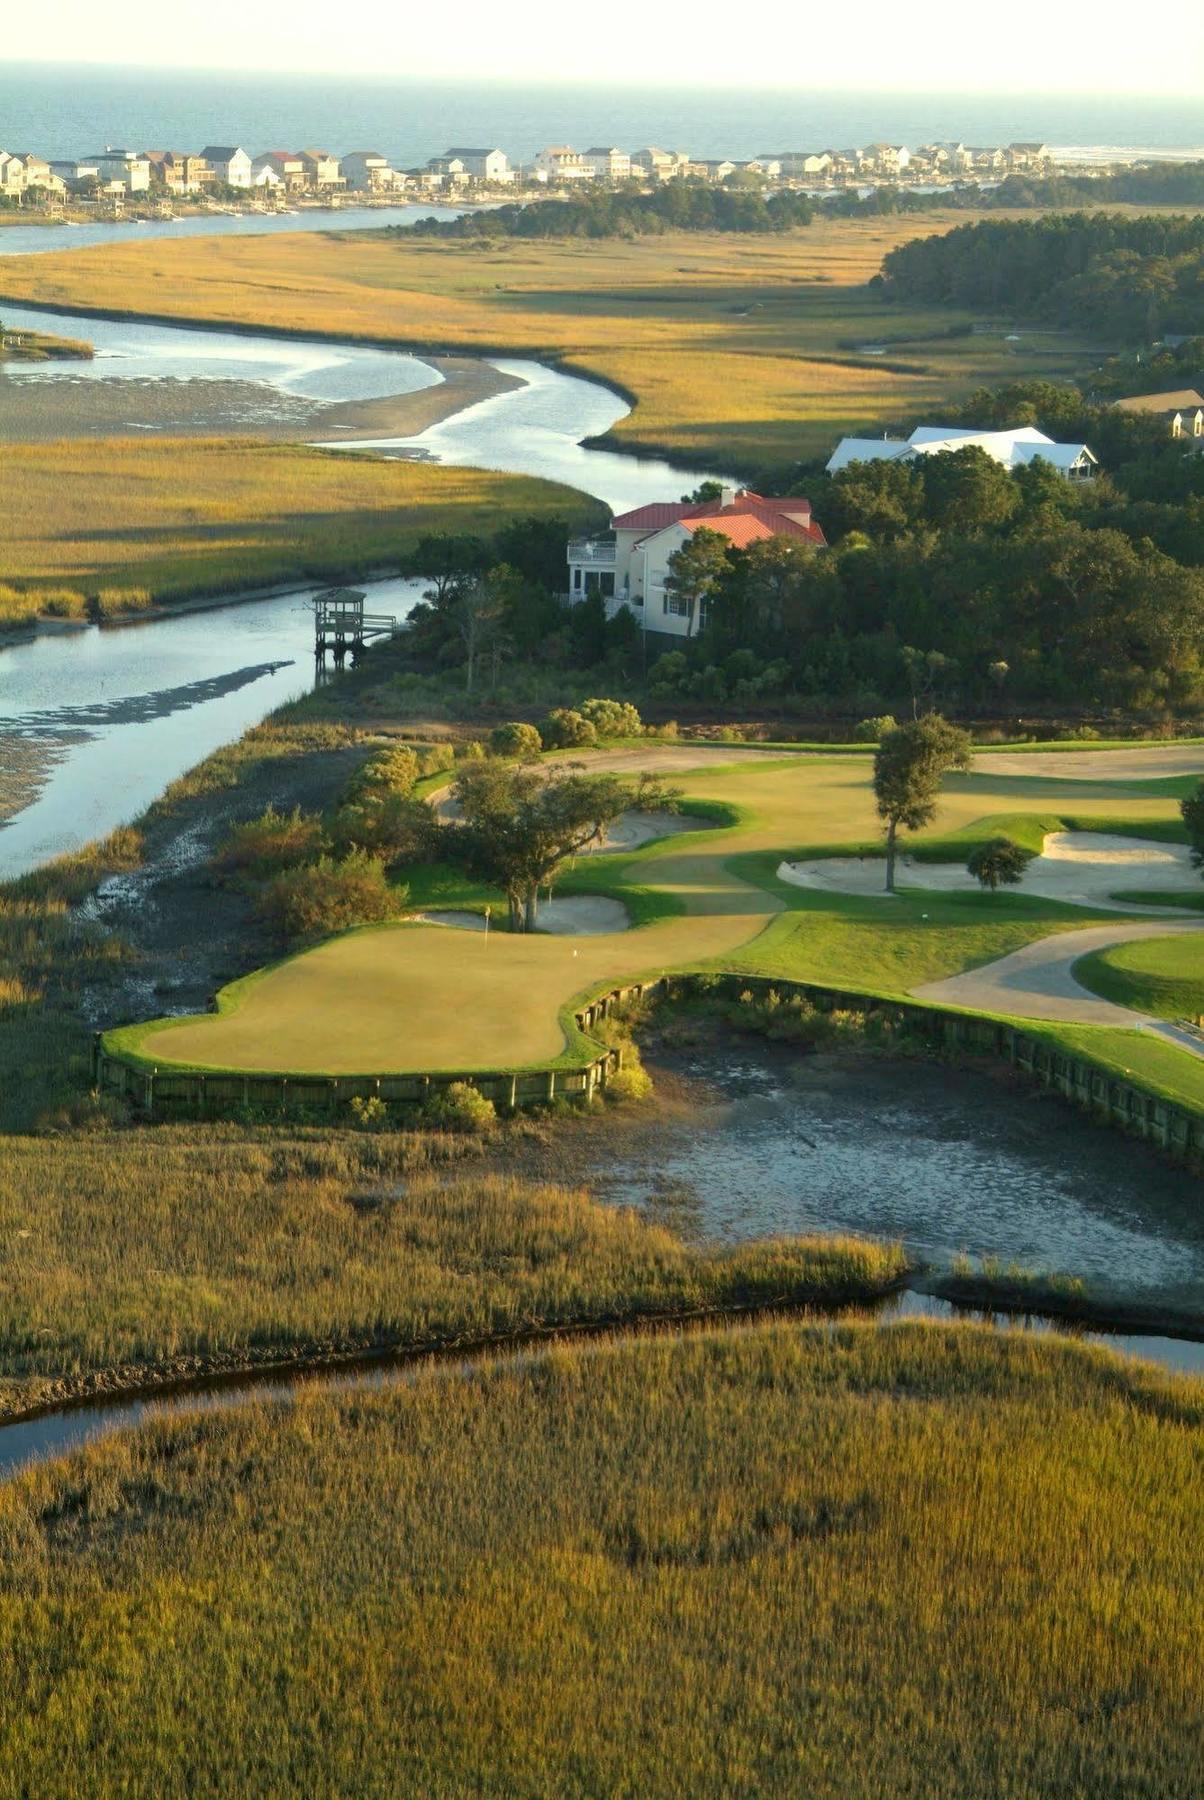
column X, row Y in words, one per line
column 343, row 628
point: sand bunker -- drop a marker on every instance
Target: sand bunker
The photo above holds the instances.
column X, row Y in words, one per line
column 578, row 915
column 1146, row 762
column 1082, row 868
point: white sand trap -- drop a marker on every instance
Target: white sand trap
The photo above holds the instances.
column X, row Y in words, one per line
column 1149, row 762
column 631, row 829
column 1081, row 868
column 578, row 915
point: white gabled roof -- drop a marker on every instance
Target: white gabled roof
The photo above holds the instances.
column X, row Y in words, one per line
column 851, row 450
column 1012, row 449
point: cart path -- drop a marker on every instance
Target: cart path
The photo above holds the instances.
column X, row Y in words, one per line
column 1038, row 982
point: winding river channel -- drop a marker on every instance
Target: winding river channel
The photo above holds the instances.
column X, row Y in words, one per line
column 95, row 722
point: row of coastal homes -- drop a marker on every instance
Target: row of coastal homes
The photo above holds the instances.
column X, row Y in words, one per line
column 178, row 173
column 1012, row 449
column 629, row 564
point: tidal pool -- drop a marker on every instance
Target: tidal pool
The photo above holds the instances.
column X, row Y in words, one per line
column 756, row 1139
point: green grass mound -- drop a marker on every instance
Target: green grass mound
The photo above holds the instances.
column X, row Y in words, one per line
column 852, row 1562
column 1163, row 976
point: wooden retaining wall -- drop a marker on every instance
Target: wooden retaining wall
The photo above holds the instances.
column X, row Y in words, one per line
column 173, row 1093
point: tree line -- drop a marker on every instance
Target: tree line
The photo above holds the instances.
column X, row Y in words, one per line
column 1132, row 278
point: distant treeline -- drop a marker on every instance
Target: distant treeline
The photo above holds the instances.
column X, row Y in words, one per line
column 1133, row 278
column 605, row 212
column 744, row 206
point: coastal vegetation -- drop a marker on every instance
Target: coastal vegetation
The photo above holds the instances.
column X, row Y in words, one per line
column 136, row 1257
column 840, row 1560
column 745, row 353
column 200, row 516
column 39, row 346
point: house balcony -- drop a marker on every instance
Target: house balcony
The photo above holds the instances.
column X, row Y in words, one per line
column 592, row 553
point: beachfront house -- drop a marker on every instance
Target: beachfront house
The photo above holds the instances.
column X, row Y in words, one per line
column 629, row 564
column 1180, row 409
column 368, row 172
column 231, row 165
column 286, row 166
column 481, row 165
column 713, row 168
column 559, row 162
column 321, row 170
column 12, row 175
column 608, row 164
column 1012, row 449
column 884, row 159
column 1028, row 156
column 178, row 172
column 123, row 170
column 659, row 165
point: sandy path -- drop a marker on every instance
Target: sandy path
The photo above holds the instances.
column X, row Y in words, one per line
column 1147, row 763
column 1038, row 982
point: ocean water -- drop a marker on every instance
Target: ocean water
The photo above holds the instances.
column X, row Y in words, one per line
column 70, row 110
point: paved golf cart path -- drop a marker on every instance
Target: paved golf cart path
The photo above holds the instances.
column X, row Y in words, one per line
column 1038, row 982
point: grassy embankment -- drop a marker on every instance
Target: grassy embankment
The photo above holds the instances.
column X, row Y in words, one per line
column 418, row 997
column 182, row 517
column 743, row 353
column 844, row 1563
column 1163, row 976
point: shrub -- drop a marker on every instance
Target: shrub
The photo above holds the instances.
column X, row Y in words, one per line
column 111, row 602
column 393, row 826
column 369, row 1112
column 460, row 1107
column 612, row 718
column 670, row 672
column 998, row 864
column 433, row 759
column 564, row 729
column 515, row 739
column 330, row 895
column 473, row 750
column 272, row 842
column 872, row 731
column 628, row 1084
column 390, row 771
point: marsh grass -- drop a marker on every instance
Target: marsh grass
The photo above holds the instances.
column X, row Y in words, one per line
column 131, row 1249
column 741, row 354
column 212, row 516
column 840, row 1562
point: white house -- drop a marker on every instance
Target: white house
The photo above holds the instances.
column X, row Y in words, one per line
column 368, row 172
column 1182, row 409
column 321, row 170
column 230, row 164
column 608, row 165
column 714, row 168
column 629, row 564
column 287, row 165
column 481, row 165
column 661, row 165
column 124, row 166
column 560, row 163
column 885, row 159
column 12, row 175
column 1012, row 449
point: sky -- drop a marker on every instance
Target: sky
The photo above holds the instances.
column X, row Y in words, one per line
column 940, row 47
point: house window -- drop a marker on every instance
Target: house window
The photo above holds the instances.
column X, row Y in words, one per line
column 676, row 606
column 576, row 581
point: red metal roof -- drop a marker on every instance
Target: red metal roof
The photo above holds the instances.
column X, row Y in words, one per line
column 743, row 520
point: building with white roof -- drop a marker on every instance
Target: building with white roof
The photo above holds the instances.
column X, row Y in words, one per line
column 1012, row 449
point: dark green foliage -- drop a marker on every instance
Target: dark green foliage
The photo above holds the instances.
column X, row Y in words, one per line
column 1131, row 277
column 909, row 766
column 567, row 729
column 312, row 902
column 1001, row 863
column 515, row 739
column 1192, row 809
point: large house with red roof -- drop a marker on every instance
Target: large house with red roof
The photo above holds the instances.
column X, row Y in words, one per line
column 628, row 564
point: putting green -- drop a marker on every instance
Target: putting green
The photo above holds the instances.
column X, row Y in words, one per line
column 412, row 997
